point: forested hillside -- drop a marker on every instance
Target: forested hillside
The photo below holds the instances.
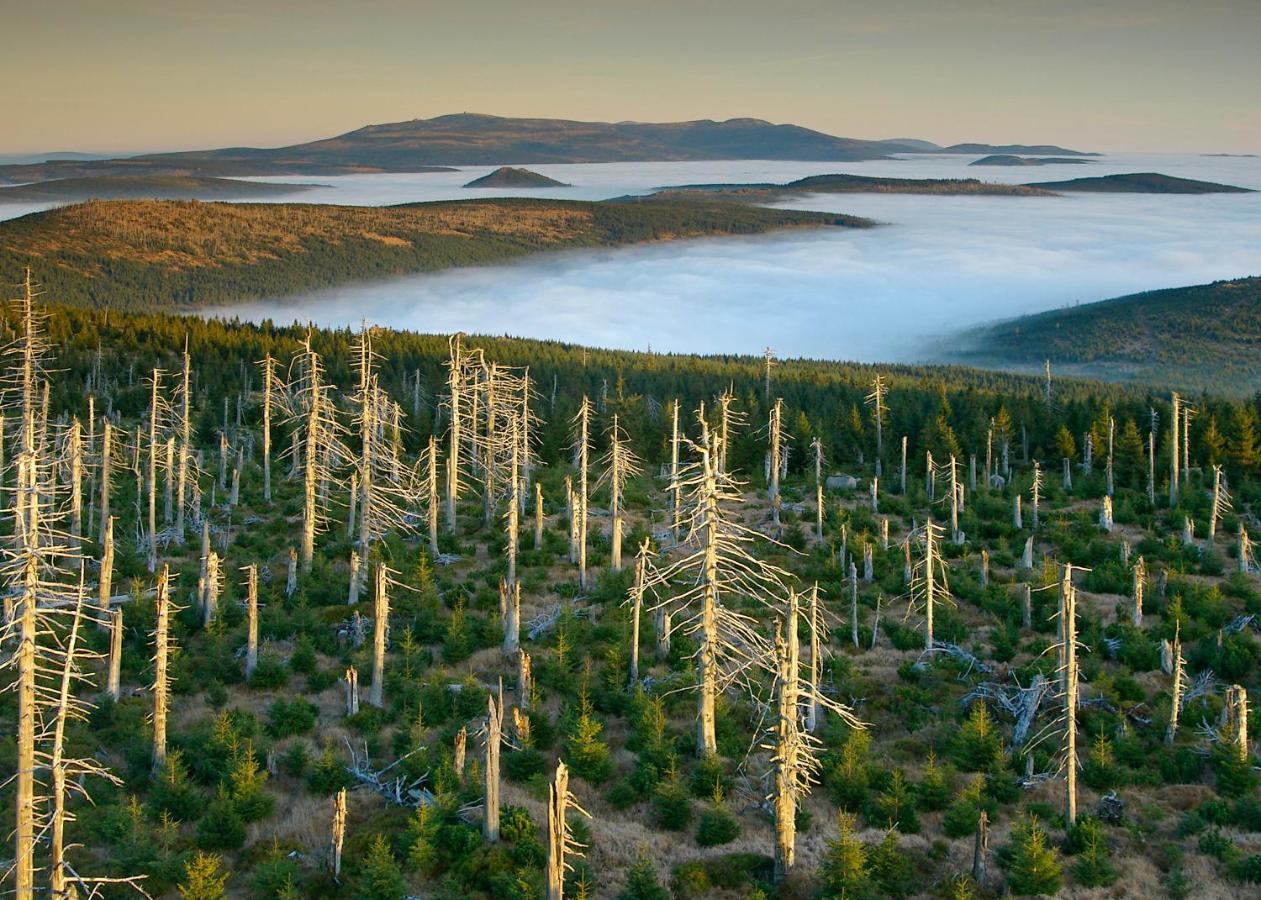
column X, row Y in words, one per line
column 1206, row 336
column 161, row 255
column 375, row 615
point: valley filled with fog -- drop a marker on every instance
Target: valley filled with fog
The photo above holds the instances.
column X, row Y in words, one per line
column 938, row 263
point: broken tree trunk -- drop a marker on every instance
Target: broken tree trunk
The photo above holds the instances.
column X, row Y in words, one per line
column 494, row 737
column 339, row 831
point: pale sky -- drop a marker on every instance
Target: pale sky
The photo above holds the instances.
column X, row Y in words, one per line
column 132, row 75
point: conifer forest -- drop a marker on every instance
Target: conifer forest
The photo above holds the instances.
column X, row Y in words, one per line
column 297, row 612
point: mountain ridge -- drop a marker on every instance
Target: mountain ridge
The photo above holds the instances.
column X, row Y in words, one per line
column 475, row 139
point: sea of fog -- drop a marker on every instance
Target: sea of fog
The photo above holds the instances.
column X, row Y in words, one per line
column 898, row 292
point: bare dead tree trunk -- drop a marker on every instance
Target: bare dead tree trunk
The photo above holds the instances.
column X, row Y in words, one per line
column 525, row 682
column 251, row 613
column 1174, row 450
column 352, row 594
column 494, row 737
column 902, row 471
column 1109, row 471
column 381, row 626
column 814, row 709
column 269, row 384
column 1177, row 688
column 1068, row 636
column 583, row 421
column 538, row 516
column 339, row 832
column 1237, row 718
column 560, row 840
column 458, row 752
column 161, row 655
column 676, row 489
column 637, row 602
column 431, row 504
column 512, row 616
column 113, row 680
column 1140, row 582
column 352, row 691
column 776, row 433
column 980, row 851
column 105, row 584
column 786, row 751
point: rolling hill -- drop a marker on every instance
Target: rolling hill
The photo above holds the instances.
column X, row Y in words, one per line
column 1141, row 183
column 170, row 254
column 509, row 177
column 1007, row 159
column 1205, row 336
column 146, row 187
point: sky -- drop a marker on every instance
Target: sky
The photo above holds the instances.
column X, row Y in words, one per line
column 1108, row 75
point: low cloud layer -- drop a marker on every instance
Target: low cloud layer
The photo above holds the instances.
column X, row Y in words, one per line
column 940, row 264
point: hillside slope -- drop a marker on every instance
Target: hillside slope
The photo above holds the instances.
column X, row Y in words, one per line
column 1204, row 336
column 1141, row 183
column 146, row 187
column 510, row 177
column 155, row 254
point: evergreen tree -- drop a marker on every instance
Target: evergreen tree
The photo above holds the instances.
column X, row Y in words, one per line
column 203, row 879
column 1243, row 439
column 844, row 871
column 1065, row 446
column 641, row 881
column 1030, row 864
column 380, row 877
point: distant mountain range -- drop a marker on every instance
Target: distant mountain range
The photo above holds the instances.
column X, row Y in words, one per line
column 1206, row 336
column 469, row 139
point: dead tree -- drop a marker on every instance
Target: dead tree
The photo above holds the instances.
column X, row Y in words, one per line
column 510, row 592
column 1140, row 583
column 105, row 583
column 1177, row 687
column 637, row 603
column 929, row 582
column 1236, row 714
column 384, row 493
column 561, row 844
column 716, row 569
column 582, row 450
column 251, row 616
column 621, row 464
column 431, row 495
column 793, row 749
column 1221, row 503
column 878, row 409
column 676, row 489
column 1175, row 455
column 1109, row 472
column 352, row 691
column 1068, row 686
column 380, row 634
column 113, row 683
column 338, row 832
column 161, row 677
column 1036, row 492
column 493, row 737
column 184, row 449
column 269, row 389
column 778, row 447
column 313, row 416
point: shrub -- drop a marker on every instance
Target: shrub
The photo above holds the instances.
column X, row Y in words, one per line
column 717, row 825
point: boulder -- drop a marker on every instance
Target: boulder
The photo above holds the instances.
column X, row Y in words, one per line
column 841, row 483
